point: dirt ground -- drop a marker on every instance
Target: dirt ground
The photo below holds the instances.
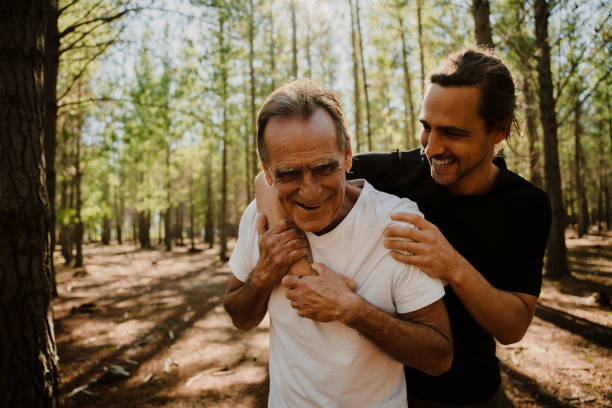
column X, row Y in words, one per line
column 146, row 328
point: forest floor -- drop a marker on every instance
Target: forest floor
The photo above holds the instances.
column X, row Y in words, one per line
column 147, row 328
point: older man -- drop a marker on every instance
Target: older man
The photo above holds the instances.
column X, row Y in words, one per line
column 330, row 346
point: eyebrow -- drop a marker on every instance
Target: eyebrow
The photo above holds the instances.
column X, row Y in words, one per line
column 283, row 171
column 451, row 129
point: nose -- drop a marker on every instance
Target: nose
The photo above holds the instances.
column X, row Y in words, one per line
column 432, row 143
column 310, row 187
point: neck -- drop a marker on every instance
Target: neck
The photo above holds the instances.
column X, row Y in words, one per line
column 483, row 183
column 351, row 194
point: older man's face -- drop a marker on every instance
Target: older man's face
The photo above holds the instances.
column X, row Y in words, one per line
column 308, row 169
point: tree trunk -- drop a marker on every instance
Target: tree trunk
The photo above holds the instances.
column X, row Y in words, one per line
column 410, row 132
column 78, row 222
column 556, row 260
column 191, row 214
column 294, row 66
column 225, row 138
column 421, row 46
column 482, row 25
column 357, row 94
column 209, row 225
column 308, row 41
column 531, row 117
column 119, row 211
column 168, row 228
column 272, row 52
column 583, row 209
column 28, row 357
column 255, row 167
column 106, row 230
column 65, row 236
column 144, row 224
column 178, row 227
column 364, row 77
column 51, row 63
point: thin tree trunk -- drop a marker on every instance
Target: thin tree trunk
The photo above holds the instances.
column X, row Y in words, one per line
column 180, row 212
column 294, row 66
column 556, row 260
column 78, row 224
column 531, row 117
column 224, row 141
column 364, row 76
column 209, row 225
column 357, row 93
column 191, row 214
column 583, row 209
column 106, row 230
column 65, row 236
column 168, row 214
column 28, row 356
column 421, row 46
column 272, row 52
column 308, row 41
column 51, row 63
column 252, row 126
column 409, row 123
column 482, row 25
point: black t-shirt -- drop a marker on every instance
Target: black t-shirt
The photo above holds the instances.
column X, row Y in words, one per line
column 502, row 233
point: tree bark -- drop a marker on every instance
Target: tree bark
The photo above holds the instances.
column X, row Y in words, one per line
column 294, row 66
column 28, row 357
column 364, row 77
column 224, row 141
column 531, row 117
column 421, row 46
column 254, row 161
column 106, row 230
column 482, row 25
column 209, row 225
column 51, row 63
column 357, row 93
column 78, row 222
column 556, row 260
column 65, row 235
column 410, row 132
column 583, row 208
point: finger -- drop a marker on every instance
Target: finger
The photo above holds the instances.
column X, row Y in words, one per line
column 352, row 285
column 414, row 260
column 416, row 219
column 289, row 234
column 262, row 224
column 296, row 255
column 406, row 232
column 412, row 247
column 319, row 268
column 283, row 225
column 290, row 281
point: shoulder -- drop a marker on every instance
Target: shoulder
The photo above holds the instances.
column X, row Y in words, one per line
column 383, row 204
column 524, row 194
column 249, row 217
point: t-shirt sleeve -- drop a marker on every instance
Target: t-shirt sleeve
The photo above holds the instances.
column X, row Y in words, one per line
column 530, row 243
column 414, row 289
column 246, row 252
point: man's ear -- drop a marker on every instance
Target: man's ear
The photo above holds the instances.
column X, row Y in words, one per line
column 348, row 158
column 266, row 173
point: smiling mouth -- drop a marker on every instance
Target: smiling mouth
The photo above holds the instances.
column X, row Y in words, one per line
column 442, row 163
column 311, row 207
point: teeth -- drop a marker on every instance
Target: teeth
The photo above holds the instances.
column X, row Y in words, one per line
column 441, row 163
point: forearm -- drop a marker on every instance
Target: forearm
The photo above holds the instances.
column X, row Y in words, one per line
column 505, row 315
column 416, row 344
column 247, row 304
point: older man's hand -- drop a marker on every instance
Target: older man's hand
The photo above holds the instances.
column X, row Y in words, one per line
column 279, row 248
column 325, row 297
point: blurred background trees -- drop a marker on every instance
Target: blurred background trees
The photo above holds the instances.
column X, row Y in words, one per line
column 155, row 135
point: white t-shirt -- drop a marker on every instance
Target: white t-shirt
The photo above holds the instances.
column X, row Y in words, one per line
column 315, row 364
